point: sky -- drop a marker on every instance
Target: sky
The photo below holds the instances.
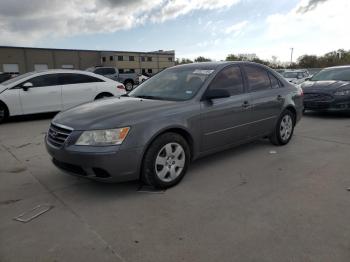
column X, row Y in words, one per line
column 210, row 28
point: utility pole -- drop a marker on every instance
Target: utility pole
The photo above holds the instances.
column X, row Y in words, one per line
column 291, row 56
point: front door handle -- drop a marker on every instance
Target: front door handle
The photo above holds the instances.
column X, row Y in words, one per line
column 245, row 104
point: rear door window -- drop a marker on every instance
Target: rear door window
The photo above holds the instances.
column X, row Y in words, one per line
column 229, row 78
column 274, row 81
column 71, row 79
column 258, row 79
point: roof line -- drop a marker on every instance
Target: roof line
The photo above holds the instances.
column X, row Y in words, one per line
column 172, row 52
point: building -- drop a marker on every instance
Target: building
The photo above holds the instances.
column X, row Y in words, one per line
column 26, row 59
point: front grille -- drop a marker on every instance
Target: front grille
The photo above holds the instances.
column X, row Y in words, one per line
column 318, row 97
column 57, row 135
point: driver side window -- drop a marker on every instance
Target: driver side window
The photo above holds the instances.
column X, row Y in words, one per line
column 230, row 79
column 43, row 80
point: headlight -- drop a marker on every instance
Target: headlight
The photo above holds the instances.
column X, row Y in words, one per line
column 344, row 92
column 103, row 137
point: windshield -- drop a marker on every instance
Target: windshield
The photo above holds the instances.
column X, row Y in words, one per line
column 17, row 78
column 339, row 74
column 177, row 83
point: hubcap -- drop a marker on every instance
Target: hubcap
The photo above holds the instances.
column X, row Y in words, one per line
column 170, row 161
column 128, row 86
column 286, row 127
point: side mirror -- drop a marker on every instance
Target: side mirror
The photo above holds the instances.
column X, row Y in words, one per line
column 216, row 93
column 26, row 86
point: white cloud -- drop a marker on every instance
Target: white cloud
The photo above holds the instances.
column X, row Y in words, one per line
column 237, row 28
column 29, row 21
column 312, row 27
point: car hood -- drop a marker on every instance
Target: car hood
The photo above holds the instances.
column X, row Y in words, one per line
column 327, row 86
column 114, row 112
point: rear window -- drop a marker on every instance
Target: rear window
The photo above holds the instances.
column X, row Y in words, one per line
column 105, row 71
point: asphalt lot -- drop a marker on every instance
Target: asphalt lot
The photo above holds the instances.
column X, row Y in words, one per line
column 244, row 204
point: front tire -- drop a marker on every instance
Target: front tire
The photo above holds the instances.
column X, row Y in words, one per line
column 166, row 161
column 284, row 129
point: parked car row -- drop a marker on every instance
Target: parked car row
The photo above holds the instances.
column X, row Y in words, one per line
column 53, row 91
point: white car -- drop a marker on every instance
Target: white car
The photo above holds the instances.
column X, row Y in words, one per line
column 296, row 76
column 53, row 91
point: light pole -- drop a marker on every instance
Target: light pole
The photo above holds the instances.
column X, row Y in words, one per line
column 291, row 56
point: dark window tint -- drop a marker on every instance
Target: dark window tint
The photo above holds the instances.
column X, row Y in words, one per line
column 111, row 58
column 257, row 78
column 44, row 80
column 4, row 77
column 104, row 59
column 149, row 58
column 121, row 71
column 143, row 59
column 120, row 58
column 105, row 71
column 143, row 70
column 150, row 71
column 274, row 81
column 70, row 79
column 131, row 58
column 129, row 71
column 230, row 79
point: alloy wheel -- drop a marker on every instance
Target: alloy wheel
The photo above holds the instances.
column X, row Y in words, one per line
column 170, row 162
column 286, row 127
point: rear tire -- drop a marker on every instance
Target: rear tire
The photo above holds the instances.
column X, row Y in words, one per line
column 4, row 114
column 166, row 161
column 129, row 85
column 284, row 129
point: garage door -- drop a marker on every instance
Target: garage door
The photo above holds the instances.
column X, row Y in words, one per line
column 40, row 67
column 11, row 68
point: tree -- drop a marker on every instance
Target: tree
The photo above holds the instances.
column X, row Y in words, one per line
column 202, row 59
column 232, row 57
column 183, row 61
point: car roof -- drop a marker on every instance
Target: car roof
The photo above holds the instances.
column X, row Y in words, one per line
column 216, row 65
column 336, row 67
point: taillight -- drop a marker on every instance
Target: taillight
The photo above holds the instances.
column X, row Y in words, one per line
column 122, row 87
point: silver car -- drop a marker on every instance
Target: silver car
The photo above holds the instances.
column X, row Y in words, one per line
column 181, row 114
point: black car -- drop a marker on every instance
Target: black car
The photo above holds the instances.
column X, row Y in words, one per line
column 328, row 90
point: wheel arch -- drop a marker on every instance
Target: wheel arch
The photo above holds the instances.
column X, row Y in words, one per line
column 7, row 110
column 293, row 110
column 107, row 94
column 174, row 129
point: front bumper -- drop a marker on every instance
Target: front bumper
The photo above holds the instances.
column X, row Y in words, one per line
column 333, row 103
column 98, row 163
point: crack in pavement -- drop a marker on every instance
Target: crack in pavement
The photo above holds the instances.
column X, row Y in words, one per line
column 80, row 218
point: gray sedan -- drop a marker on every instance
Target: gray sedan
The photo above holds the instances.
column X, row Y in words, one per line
column 183, row 113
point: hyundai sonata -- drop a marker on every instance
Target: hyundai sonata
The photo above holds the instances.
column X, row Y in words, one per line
column 182, row 113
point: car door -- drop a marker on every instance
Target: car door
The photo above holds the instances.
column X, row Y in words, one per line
column 266, row 98
column 43, row 96
column 224, row 120
column 78, row 88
